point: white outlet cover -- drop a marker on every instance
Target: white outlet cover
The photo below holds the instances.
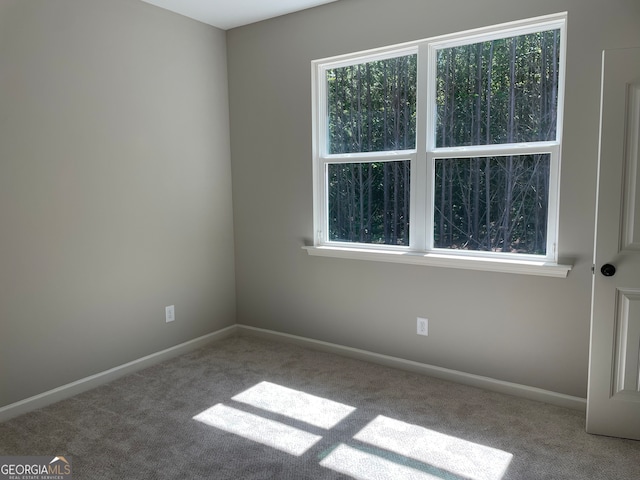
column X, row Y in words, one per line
column 170, row 313
column 423, row 326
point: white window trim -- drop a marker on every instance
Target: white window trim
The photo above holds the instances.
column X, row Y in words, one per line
column 502, row 265
column 421, row 251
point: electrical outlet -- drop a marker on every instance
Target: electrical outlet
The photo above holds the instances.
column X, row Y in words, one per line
column 423, row 326
column 170, row 313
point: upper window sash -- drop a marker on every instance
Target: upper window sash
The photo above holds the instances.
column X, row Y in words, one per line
column 320, row 91
column 466, row 109
column 427, row 48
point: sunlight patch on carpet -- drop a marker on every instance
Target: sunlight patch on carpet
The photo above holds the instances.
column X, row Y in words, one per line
column 316, row 411
column 258, row 429
column 460, row 457
column 384, row 449
column 366, row 466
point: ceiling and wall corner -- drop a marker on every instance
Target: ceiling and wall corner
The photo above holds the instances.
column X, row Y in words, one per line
column 227, row 14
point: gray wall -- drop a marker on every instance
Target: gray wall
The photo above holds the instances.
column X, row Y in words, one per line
column 529, row 330
column 115, row 187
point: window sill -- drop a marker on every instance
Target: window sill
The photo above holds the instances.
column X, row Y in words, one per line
column 503, row 265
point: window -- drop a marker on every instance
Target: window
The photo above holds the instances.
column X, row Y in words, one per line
column 447, row 147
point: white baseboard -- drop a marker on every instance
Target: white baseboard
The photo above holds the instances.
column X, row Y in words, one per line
column 65, row 391
column 69, row 390
column 487, row 383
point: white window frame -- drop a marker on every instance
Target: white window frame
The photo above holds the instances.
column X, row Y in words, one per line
column 421, row 250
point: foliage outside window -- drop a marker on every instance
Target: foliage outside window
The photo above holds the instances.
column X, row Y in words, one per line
column 447, row 145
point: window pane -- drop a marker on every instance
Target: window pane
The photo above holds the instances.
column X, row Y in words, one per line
column 500, row 91
column 372, row 106
column 496, row 204
column 369, row 202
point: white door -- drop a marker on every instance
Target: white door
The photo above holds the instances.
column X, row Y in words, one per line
column 613, row 399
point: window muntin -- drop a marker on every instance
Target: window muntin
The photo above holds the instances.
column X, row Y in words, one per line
column 538, row 131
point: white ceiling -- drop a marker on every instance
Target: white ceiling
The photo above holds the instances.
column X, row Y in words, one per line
column 226, row 14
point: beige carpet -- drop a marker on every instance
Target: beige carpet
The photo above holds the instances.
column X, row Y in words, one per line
column 247, row 408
